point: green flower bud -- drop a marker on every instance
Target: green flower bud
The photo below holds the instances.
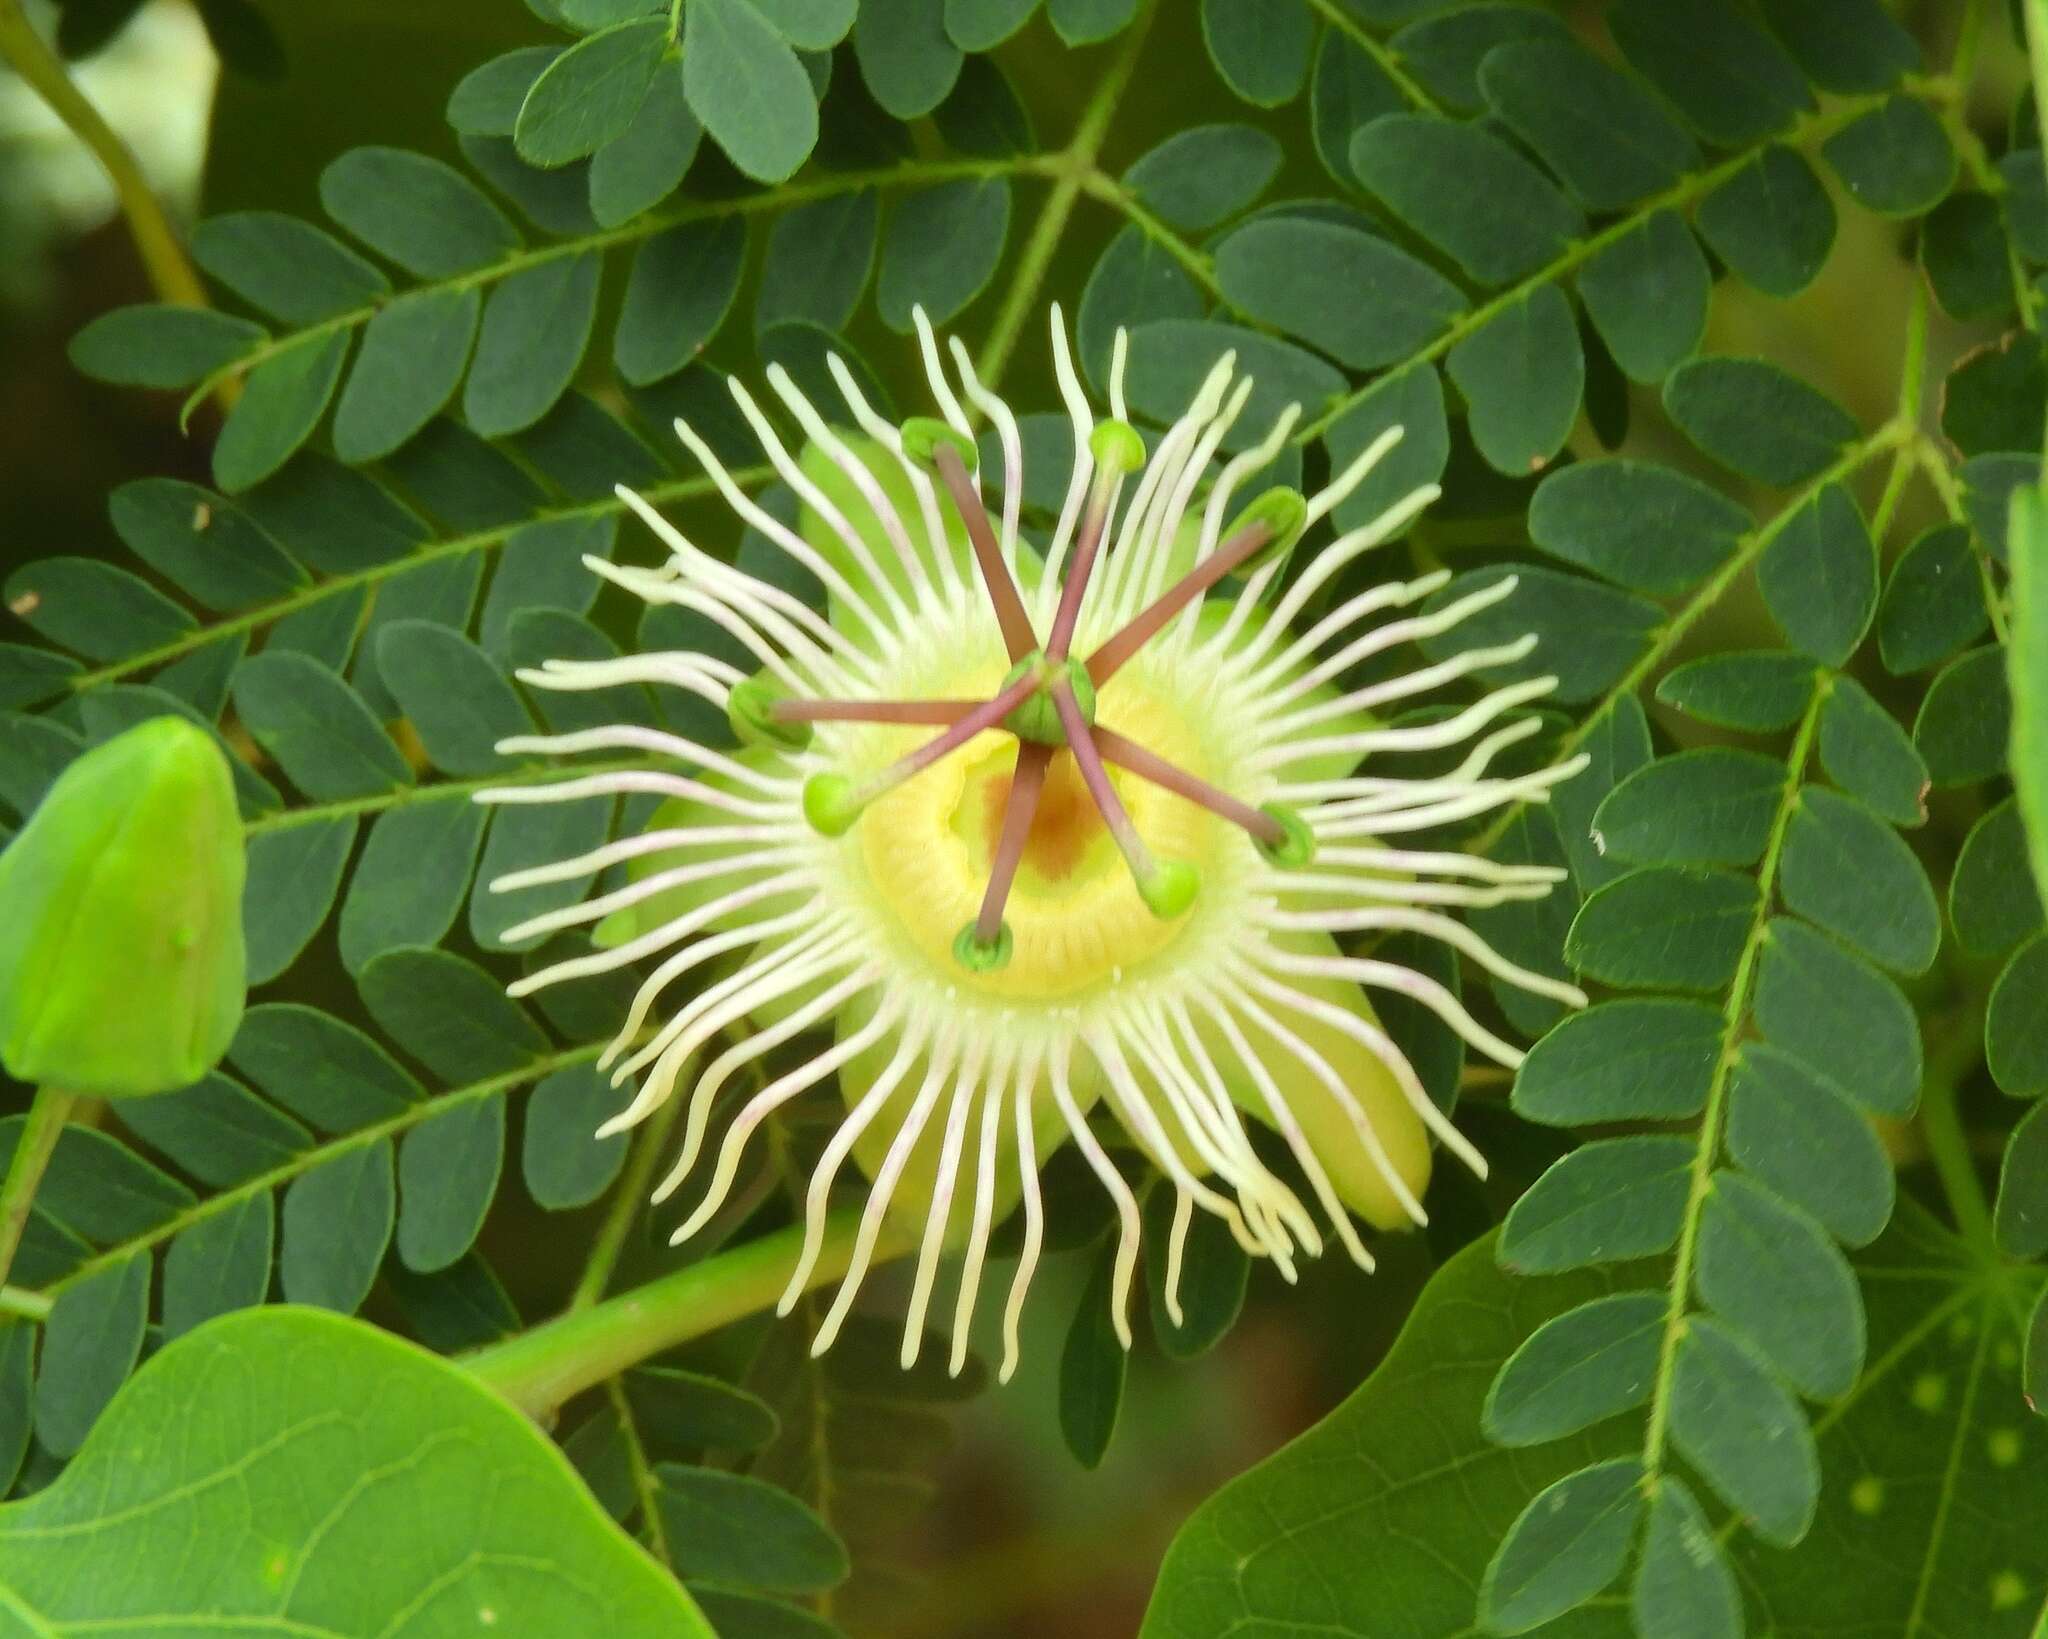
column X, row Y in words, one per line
column 121, row 962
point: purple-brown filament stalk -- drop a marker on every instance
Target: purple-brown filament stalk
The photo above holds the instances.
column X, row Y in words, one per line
column 1093, row 775
column 1018, row 637
column 1148, row 765
column 963, row 729
column 1106, row 661
column 943, row 713
column 1086, row 545
column 1026, row 784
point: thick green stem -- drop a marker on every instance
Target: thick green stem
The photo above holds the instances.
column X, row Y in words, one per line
column 32, row 1153
column 539, row 1370
column 163, row 255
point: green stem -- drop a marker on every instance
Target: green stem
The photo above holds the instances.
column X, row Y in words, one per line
column 163, row 256
column 32, row 1151
column 540, row 1369
column 20, row 1302
column 1074, row 166
column 628, row 1197
column 1959, row 1052
column 1708, row 1147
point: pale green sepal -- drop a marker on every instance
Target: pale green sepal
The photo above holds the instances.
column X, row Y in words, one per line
column 122, row 969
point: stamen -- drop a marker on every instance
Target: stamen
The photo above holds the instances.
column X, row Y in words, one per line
column 995, row 574
column 1167, row 886
column 942, row 713
column 1106, row 661
column 1149, row 765
column 1026, row 785
column 1117, row 449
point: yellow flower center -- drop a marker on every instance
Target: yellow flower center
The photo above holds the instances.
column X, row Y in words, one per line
column 1074, row 912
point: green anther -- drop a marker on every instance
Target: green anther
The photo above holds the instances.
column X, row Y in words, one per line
column 122, row 967
column 1284, row 512
column 976, row 957
column 1296, row 847
column 1170, row 889
column 922, row 436
column 831, row 804
column 1116, row 447
column 750, row 711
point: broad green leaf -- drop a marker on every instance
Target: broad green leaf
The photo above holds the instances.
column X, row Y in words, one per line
column 647, row 162
column 1847, row 870
column 90, row 1343
column 1869, row 755
column 335, row 519
column 1411, row 399
column 2016, row 1029
column 1347, row 89
column 485, row 101
column 1895, row 160
column 588, row 96
column 337, row 1222
column 98, row 1188
column 1133, row 282
column 1530, row 932
column 977, row 25
column 1752, row 417
column 1522, row 374
column 464, row 1306
column 1772, row 222
column 1588, row 634
column 940, row 247
column 1599, row 129
column 522, row 837
column 735, row 1528
column 36, row 750
column 2028, row 557
column 1713, row 806
column 282, row 401
column 102, row 612
column 1205, row 174
column 1649, row 1059
column 686, row 1409
column 1757, row 690
column 750, row 1616
column 1966, row 254
column 1964, row 726
column 1993, row 902
column 220, row 1264
column 317, row 728
column 1808, row 1142
column 217, row 1130
column 1683, row 1586
column 423, row 214
column 447, row 1174
column 280, row 1396
column 294, row 873
column 1589, row 1364
column 326, row 1072
column 1616, row 745
column 1989, row 484
column 535, row 328
column 1213, row 1276
column 286, row 267
column 1664, row 926
column 1819, row 576
column 1993, row 400
column 413, row 355
column 541, row 572
column 1647, row 526
column 1605, row 1202
column 1646, row 293
column 1568, row 1544
column 563, row 1160
column 809, row 25
column 1743, row 1431
column 1467, row 192
column 1724, row 74
column 557, row 202
column 460, row 704
column 2022, row 1214
column 162, row 346
column 1346, row 292
column 904, row 55
column 536, row 635
column 205, row 545
column 1092, row 1367
column 1771, row 1272
column 30, row 676
column 449, row 1014
column 1446, row 52
column 1839, row 1016
column 1262, row 54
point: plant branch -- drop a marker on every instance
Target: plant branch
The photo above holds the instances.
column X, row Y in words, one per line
column 32, row 1152
column 1959, row 1052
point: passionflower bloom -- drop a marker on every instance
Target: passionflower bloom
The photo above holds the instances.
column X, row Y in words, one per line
column 1041, row 833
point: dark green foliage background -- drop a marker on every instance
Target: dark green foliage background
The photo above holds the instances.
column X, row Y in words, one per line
column 1719, row 323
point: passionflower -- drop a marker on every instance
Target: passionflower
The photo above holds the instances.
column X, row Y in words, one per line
column 1041, row 835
